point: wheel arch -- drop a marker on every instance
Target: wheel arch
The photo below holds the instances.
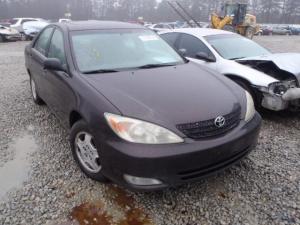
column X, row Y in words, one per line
column 2, row 38
column 74, row 117
column 237, row 77
column 28, row 71
column 257, row 96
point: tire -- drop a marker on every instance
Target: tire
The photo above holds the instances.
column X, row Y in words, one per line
column 23, row 37
column 249, row 32
column 1, row 39
column 79, row 129
column 35, row 96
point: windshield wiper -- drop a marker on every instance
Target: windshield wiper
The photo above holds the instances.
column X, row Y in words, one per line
column 101, row 71
column 149, row 66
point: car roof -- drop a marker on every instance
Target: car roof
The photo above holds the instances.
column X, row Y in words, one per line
column 201, row 31
column 98, row 25
column 26, row 18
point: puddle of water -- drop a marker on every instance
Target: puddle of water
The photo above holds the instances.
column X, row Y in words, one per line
column 94, row 213
column 15, row 172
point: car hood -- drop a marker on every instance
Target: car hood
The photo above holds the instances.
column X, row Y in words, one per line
column 34, row 26
column 288, row 62
column 39, row 25
column 170, row 95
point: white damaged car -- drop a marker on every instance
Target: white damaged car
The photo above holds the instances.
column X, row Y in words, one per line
column 32, row 28
column 272, row 79
column 9, row 34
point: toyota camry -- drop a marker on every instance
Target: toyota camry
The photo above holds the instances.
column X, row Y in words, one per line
column 139, row 114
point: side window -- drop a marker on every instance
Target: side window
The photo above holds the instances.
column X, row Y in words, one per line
column 56, row 49
column 171, row 38
column 42, row 42
column 26, row 20
column 192, row 45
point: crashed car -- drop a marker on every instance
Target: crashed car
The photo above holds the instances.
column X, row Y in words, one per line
column 9, row 34
column 272, row 79
column 32, row 28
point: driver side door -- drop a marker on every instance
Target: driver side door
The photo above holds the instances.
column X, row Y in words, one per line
column 61, row 95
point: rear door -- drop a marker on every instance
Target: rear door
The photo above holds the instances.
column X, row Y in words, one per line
column 38, row 56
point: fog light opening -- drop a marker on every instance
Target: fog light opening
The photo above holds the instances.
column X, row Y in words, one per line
column 141, row 181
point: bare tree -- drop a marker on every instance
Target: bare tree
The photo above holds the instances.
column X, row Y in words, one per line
column 267, row 11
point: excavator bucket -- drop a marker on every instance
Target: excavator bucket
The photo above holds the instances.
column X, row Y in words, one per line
column 220, row 23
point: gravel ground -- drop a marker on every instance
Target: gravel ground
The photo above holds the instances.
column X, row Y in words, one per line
column 262, row 189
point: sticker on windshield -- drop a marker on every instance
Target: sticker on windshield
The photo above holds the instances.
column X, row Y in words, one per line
column 148, row 38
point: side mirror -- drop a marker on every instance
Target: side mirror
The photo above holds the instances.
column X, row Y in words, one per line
column 182, row 52
column 54, row 64
column 205, row 57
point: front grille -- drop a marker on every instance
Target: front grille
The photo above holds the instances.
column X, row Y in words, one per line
column 208, row 129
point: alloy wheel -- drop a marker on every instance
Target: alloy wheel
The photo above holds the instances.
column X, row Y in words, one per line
column 87, row 153
column 33, row 89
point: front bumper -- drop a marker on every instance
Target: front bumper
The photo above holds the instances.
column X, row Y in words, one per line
column 176, row 164
column 12, row 37
column 291, row 99
column 32, row 34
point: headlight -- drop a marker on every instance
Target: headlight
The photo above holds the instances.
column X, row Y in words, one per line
column 141, row 132
column 250, row 112
column 278, row 88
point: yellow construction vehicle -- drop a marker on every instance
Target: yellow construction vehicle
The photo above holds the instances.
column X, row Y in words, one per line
column 236, row 20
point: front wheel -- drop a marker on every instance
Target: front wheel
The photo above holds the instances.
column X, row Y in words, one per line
column 1, row 39
column 85, row 152
column 249, row 32
column 35, row 96
column 23, row 37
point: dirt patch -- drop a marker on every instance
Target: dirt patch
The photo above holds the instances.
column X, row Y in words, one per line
column 91, row 213
column 94, row 213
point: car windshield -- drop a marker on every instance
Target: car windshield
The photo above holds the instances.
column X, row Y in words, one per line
column 121, row 49
column 232, row 46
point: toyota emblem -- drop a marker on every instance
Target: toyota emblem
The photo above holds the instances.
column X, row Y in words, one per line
column 220, row 121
